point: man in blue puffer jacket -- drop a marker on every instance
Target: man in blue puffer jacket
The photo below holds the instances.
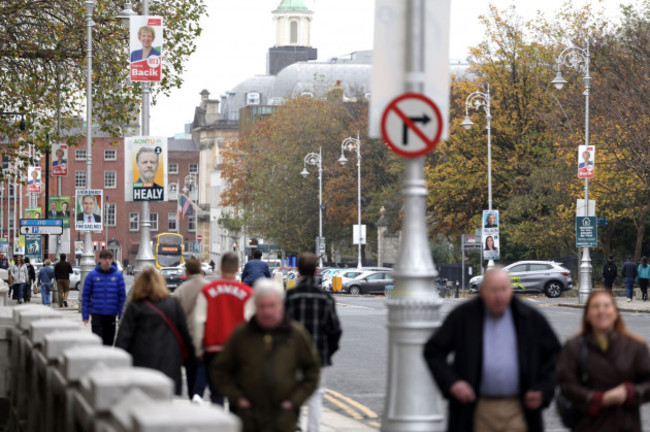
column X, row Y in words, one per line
column 103, row 297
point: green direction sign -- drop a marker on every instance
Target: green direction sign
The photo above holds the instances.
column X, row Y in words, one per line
column 586, row 232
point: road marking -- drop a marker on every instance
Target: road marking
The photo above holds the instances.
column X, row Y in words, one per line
column 374, row 424
column 354, row 306
column 352, row 413
column 364, row 409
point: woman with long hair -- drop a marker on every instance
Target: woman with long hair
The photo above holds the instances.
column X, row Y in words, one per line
column 643, row 275
column 153, row 328
column 604, row 371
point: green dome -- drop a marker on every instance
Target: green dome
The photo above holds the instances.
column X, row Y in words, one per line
column 293, row 5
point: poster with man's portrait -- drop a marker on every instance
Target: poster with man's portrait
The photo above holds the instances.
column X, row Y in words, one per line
column 34, row 180
column 145, row 167
column 59, row 159
column 146, row 48
column 33, row 213
column 586, row 161
column 58, row 207
column 490, row 234
column 88, row 210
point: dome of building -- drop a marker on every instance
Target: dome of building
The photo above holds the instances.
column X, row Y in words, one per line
column 293, row 5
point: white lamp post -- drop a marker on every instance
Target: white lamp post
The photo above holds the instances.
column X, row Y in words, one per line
column 478, row 100
column 315, row 159
column 354, row 144
column 578, row 59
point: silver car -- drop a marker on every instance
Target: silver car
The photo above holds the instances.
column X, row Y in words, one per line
column 534, row 276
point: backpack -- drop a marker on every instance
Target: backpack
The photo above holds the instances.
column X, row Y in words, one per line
column 610, row 270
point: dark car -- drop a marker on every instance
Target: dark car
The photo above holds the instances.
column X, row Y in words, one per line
column 174, row 276
column 371, row 282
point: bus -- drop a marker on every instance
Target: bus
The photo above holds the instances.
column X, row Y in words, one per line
column 169, row 250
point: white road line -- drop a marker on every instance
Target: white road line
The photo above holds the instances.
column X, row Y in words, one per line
column 354, row 306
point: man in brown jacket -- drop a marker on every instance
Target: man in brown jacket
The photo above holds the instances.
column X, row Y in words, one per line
column 186, row 295
column 62, row 272
column 269, row 367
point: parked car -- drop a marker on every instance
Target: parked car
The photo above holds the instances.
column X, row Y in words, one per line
column 75, row 278
column 371, row 282
column 205, row 268
column 174, row 276
column 345, row 274
column 547, row 277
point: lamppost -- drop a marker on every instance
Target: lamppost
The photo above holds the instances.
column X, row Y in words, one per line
column 189, row 186
column 578, row 59
column 478, row 100
column 88, row 256
column 354, row 144
column 16, row 114
column 316, row 160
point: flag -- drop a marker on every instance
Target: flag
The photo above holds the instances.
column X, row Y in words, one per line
column 185, row 207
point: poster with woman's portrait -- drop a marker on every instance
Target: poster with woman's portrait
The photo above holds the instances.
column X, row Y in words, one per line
column 33, row 213
column 59, row 159
column 34, row 180
column 490, row 234
column 146, row 48
column 586, row 161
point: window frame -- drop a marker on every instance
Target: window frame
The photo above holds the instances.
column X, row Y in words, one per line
column 137, row 221
column 173, row 164
column 78, row 153
column 112, row 151
column 172, row 217
column 111, row 215
column 153, row 216
column 77, row 185
column 114, row 172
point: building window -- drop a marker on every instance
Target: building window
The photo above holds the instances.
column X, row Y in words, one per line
column 110, row 179
column 171, row 222
column 173, row 168
column 110, row 155
column 80, row 179
column 11, row 220
column 294, row 32
column 191, row 223
column 11, row 190
column 194, row 168
column 80, row 155
column 153, row 218
column 173, row 191
column 134, row 221
column 111, row 210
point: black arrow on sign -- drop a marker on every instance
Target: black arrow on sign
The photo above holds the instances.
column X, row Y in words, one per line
column 405, row 129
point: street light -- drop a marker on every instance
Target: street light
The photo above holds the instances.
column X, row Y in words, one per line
column 15, row 114
column 354, row 144
column 478, row 100
column 126, row 13
column 315, row 159
column 578, row 59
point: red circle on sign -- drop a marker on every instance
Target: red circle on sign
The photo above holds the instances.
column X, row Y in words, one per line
column 199, row 237
column 430, row 143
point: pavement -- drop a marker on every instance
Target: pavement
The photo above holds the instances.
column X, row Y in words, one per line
column 636, row 305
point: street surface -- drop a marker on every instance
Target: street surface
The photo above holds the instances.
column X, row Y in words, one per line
column 359, row 370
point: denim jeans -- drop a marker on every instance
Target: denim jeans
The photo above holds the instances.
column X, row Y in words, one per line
column 196, row 378
column 45, row 293
column 629, row 287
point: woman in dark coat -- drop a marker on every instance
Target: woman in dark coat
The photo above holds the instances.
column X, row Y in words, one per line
column 617, row 373
column 149, row 337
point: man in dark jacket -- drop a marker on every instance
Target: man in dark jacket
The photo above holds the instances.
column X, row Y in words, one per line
column 316, row 310
column 31, row 272
column 609, row 273
column 503, row 370
column 103, row 297
column 628, row 272
column 255, row 269
column 62, row 272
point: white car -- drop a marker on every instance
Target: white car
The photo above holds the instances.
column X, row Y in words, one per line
column 75, row 278
column 205, row 268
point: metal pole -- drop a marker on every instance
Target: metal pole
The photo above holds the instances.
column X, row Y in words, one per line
column 585, row 265
column 360, row 263
column 413, row 403
column 489, row 151
column 320, row 206
column 462, row 262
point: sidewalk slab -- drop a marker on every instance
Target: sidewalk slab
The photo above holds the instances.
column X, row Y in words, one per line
column 635, row 306
column 335, row 422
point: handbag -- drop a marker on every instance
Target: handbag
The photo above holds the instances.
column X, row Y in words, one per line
column 569, row 414
column 185, row 353
column 35, row 288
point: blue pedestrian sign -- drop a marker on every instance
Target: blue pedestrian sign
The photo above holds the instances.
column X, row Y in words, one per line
column 41, row 222
column 586, row 232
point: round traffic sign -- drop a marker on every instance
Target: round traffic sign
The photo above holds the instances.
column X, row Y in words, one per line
column 199, row 238
column 411, row 125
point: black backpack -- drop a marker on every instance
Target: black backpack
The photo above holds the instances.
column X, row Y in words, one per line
column 610, row 270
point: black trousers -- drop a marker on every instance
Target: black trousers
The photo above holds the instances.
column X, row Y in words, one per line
column 215, row 396
column 104, row 327
column 643, row 284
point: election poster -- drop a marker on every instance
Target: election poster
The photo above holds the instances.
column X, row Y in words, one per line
column 586, row 161
column 59, row 159
column 490, row 234
column 78, row 247
column 34, row 180
column 146, row 47
column 88, row 210
column 34, row 247
column 145, row 167
column 33, row 213
column 58, row 207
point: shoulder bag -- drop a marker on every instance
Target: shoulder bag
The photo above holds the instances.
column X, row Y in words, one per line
column 568, row 412
column 185, row 353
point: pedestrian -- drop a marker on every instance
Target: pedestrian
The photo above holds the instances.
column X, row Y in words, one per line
column 103, row 297
column 31, row 276
column 315, row 309
column 45, row 276
column 212, row 264
column 616, row 376
column 62, row 272
column 18, row 275
column 628, row 272
column 255, row 269
column 4, row 265
column 268, row 367
column 154, row 329
column 186, row 294
column 219, row 309
column 503, row 370
column 609, row 273
column 643, row 275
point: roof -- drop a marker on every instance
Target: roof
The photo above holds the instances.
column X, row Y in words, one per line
column 181, row 145
column 293, row 5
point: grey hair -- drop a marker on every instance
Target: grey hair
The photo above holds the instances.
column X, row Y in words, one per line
column 264, row 287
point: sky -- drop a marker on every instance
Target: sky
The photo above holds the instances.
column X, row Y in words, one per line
column 238, row 33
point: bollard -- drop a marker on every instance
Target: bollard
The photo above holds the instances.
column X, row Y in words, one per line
column 4, row 293
column 337, row 283
column 6, row 324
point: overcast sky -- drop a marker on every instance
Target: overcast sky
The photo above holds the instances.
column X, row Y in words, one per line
column 238, row 33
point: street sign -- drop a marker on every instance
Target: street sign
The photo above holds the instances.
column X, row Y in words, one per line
column 603, row 221
column 41, row 230
column 199, row 238
column 586, row 232
column 41, row 222
column 412, row 125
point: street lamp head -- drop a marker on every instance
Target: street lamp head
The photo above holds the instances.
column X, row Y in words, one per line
column 304, row 172
column 559, row 81
column 22, row 123
column 126, row 14
column 90, row 7
column 342, row 160
column 467, row 123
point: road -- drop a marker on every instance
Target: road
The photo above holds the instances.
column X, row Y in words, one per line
column 357, row 379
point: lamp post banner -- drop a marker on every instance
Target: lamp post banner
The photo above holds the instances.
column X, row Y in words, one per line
column 490, row 234
column 33, row 213
column 145, row 167
column 586, row 161
column 34, row 247
column 88, row 210
column 34, row 182
column 146, row 47
column 59, row 159
column 58, row 207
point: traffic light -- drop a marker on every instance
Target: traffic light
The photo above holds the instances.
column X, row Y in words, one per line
column 95, row 245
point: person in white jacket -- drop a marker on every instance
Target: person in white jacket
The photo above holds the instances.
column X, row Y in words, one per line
column 19, row 277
